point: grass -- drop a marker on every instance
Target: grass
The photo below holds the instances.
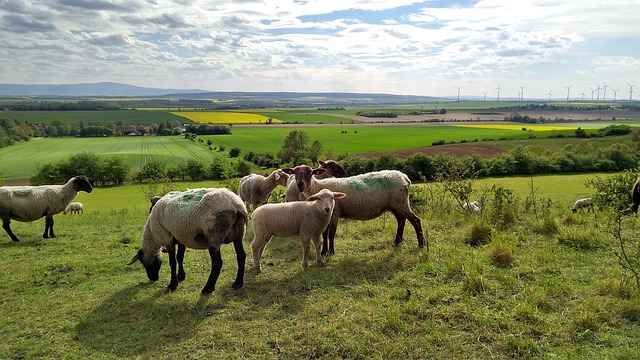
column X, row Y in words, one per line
column 133, row 117
column 74, row 296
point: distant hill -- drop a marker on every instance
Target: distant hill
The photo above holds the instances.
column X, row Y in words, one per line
column 93, row 89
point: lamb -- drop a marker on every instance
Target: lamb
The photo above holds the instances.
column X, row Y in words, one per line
column 585, row 203
column 202, row 218
column 255, row 189
column 30, row 203
column 473, row 207
column 333, row 169
column 74, row 208
column 308, row 219
column 367, row 197
column 635, row 196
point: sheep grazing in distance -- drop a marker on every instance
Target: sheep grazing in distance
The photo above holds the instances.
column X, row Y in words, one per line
column 255, row 189
column 635, row 196
column 201, row 219
column 307, row 219
column 473, row 207
column 585, row 203
column 74, row 208
column 332, row 169
column 367, row 197
column 30, row 203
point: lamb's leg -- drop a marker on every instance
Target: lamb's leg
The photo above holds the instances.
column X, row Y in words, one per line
column 181, row 274
column 216, row 266
column 316, row 243
column 306, row 241
column 257, row 247
column 173, row 284
column 6, row 226
column 241, row 256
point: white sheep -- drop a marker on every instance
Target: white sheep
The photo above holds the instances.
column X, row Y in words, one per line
column 30, row 203
column 368, row 196
column 202, row 218
column 585, row 203
column 307, row 219
column 255, row 189
column 74, row 208
column 473, row 207
column 333, row 169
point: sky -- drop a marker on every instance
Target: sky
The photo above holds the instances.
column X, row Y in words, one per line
column 486, row 48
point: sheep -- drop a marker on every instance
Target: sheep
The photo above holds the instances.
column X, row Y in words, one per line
column 333, row 169
column 582, row 204
column 30, row 203
column 368, row 196
column 635, row 196
column 74, row 208
column 307, row 219
column 255, row 189
column 473, row 207
column 202, row 218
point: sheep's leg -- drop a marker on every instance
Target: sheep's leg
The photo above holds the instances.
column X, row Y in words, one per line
column 325, row 241
column 401, row 219
column 241, row 257
column 181, row 274
column 173, row 284
column 328, row 236
column 306, row 241
column 316, row 243
column 417, row 226
column 257, row 247
column 216, row 266
column 48, row 227
column 6, row 226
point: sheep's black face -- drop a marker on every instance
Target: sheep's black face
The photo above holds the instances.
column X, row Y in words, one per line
column 82, row 183
column 152, row 266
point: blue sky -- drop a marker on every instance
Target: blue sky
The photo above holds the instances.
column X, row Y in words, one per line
column 398, row 47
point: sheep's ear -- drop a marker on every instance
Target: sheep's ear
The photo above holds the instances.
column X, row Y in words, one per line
column 287, row 171
column 318, row 171
column 136, row 257
column 321, row 162
column 339, row 195
column 313, row 197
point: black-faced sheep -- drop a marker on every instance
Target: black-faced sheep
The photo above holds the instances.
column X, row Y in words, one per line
column 307, row 219
column 332, row 169
column 585, row 203
column 30, row 203
column 635, row 196
column 197, row 219
column 255, row 189
column 367, row 197
column 74, row 208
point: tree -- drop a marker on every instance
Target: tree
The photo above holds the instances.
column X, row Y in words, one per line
column 153, row 170
column 115, row 170
column 195, row 169
column 234, row 152
column 294, row 147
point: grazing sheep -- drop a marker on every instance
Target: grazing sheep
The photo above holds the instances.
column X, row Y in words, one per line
column 333, row 169
column 255, row 189
column 585, row 203
column 198, row 219
column 635, row 196
column 473, row 207
column 308, row 219
column 74, row 208
column 368, row 196
column 153, row 200
column 30, row 203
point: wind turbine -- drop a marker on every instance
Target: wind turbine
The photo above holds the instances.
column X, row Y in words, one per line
column 568, row 89
column 582, row 95
column 549, row 95
column 458, row 87
column 498, row 88
column 631, row 92
column 604, row 96
column 592, row 92
column 485, row 96
column 598, row 88
column 615, row 94
column 522, row 91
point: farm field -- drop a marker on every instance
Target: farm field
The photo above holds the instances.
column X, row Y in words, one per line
column 133, row 117
column 20, row 161
column 225, row 117
column 75, row 297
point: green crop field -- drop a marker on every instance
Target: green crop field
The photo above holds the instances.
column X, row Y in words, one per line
column 21, row 160
column 133, row 117
column 304, row 117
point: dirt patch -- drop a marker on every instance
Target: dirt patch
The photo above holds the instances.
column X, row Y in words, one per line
column 459, row 150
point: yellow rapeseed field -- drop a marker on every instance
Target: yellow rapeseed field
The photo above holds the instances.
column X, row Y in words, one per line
column 534, row 127
column 223, row 117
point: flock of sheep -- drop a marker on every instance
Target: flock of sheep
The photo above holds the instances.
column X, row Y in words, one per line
column 206, row 218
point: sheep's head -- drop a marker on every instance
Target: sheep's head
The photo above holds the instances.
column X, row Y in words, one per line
column 153, row 202
column 151, row 263
column 82, row 183
column 325, row 199
column 281, row 177
column 333, row 168
column 303, row 174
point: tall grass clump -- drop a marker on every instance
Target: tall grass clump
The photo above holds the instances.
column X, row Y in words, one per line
column 578, row 238
column 479, row 234
column 501, row 254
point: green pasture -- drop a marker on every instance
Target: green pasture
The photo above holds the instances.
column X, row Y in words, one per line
column 304, row 116
column 132, row 117
column 20, row 161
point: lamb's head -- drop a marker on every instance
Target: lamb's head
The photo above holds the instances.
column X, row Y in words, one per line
column 151, row 263
column 281, row 177
column 303, row 174
column 325, row 199
column 333, row 168
column 82, row 183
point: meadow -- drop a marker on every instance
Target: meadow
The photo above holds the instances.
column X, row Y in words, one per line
column 75, row 297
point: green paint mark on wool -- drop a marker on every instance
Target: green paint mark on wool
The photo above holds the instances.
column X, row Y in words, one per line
column 368, row 183
column 185, row 198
